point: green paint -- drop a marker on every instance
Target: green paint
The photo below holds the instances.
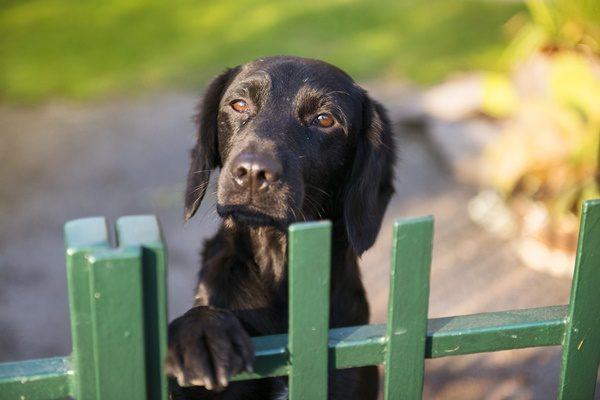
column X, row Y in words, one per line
column 309, row 264
column 144, row 231
column 449, row 336
column 271, row 358
column 49, row 378
column 118, row 319
column 504, row 330
column 407, row 308
column 581, row 347
column 357, row 346
column 83, row 236
column 117, row 324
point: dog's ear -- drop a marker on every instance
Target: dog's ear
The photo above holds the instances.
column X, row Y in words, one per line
column 205, row 154
column 370, row 185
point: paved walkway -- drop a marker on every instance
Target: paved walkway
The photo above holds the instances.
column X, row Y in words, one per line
column 62, row 162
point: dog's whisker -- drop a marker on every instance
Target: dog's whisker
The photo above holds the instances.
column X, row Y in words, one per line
column 316, row 208
column 339, row 92
column 200, row 187
column 302, row 215
column 318, row 189
column 294, row 214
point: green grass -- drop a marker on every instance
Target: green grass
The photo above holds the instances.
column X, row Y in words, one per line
column 89, row 50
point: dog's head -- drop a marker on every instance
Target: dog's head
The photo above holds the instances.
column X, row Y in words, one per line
column 295, row 139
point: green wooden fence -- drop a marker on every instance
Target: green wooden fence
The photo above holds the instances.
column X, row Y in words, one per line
column 118, row 319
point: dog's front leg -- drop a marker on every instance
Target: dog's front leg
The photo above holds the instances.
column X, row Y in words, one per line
column 207, row 345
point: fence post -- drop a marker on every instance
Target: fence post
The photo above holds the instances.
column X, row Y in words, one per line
column 581, row 345
column 82, row 236
column 117, row 324
column 118, row 309
column 144, row 231
column 407, row 309
column 309, row 272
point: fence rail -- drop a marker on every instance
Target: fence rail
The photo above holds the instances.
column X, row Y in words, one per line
column 118, row 319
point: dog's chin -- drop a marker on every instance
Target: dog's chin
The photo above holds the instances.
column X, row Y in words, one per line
column 245, row 216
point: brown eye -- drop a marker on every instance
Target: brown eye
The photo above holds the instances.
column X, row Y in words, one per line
column 324, row 121
column 240, row 106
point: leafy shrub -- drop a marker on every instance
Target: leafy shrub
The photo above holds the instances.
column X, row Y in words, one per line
column 548, row 151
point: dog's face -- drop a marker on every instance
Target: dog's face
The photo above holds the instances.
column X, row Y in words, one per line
column 296, row 139
column 283, row 138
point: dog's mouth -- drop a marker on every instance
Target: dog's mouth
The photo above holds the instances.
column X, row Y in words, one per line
column 249, row 216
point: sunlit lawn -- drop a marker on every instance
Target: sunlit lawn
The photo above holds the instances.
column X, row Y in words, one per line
column 87, row 50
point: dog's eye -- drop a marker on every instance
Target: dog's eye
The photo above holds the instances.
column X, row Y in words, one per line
column 239, row 106
column 324, row 120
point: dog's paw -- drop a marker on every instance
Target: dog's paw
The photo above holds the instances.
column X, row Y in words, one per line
column 206, row 347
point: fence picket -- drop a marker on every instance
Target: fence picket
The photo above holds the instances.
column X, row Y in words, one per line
column 117, row 324
column 143, row 231
column 117, row 300
column 407, row 309
column 83, row 236
column 581, row 346
column 45, row 379
column 309, row 264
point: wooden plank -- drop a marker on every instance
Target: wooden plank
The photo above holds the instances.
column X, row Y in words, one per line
column 357, row 346
column 82, row 236
column 348, row 347
column 309, row 272
column 407, row 309
column 504, row 330
column 581, row 347
column 45, row 379
column 144, row 231
column 118, row 324
column 449, row 336
column 98, row 278
column 271, row 358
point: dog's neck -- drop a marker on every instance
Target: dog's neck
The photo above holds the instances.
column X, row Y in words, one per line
column 266, row 248
column 270, row 247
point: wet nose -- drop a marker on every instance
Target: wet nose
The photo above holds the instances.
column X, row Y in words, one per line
column 255, row 171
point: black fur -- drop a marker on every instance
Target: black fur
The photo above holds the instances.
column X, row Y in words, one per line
column 279, row 166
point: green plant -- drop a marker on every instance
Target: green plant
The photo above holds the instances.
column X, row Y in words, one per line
column 548, row 150
column 556, row 25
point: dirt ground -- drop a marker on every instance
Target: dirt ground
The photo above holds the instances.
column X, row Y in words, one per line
column 61, row 162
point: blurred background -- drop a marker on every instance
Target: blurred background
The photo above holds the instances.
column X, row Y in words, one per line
column 496, row 105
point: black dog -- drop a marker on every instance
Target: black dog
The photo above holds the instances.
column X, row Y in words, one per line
column 296, row 140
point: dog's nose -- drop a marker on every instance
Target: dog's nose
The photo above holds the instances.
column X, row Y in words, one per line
column 255, row 171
